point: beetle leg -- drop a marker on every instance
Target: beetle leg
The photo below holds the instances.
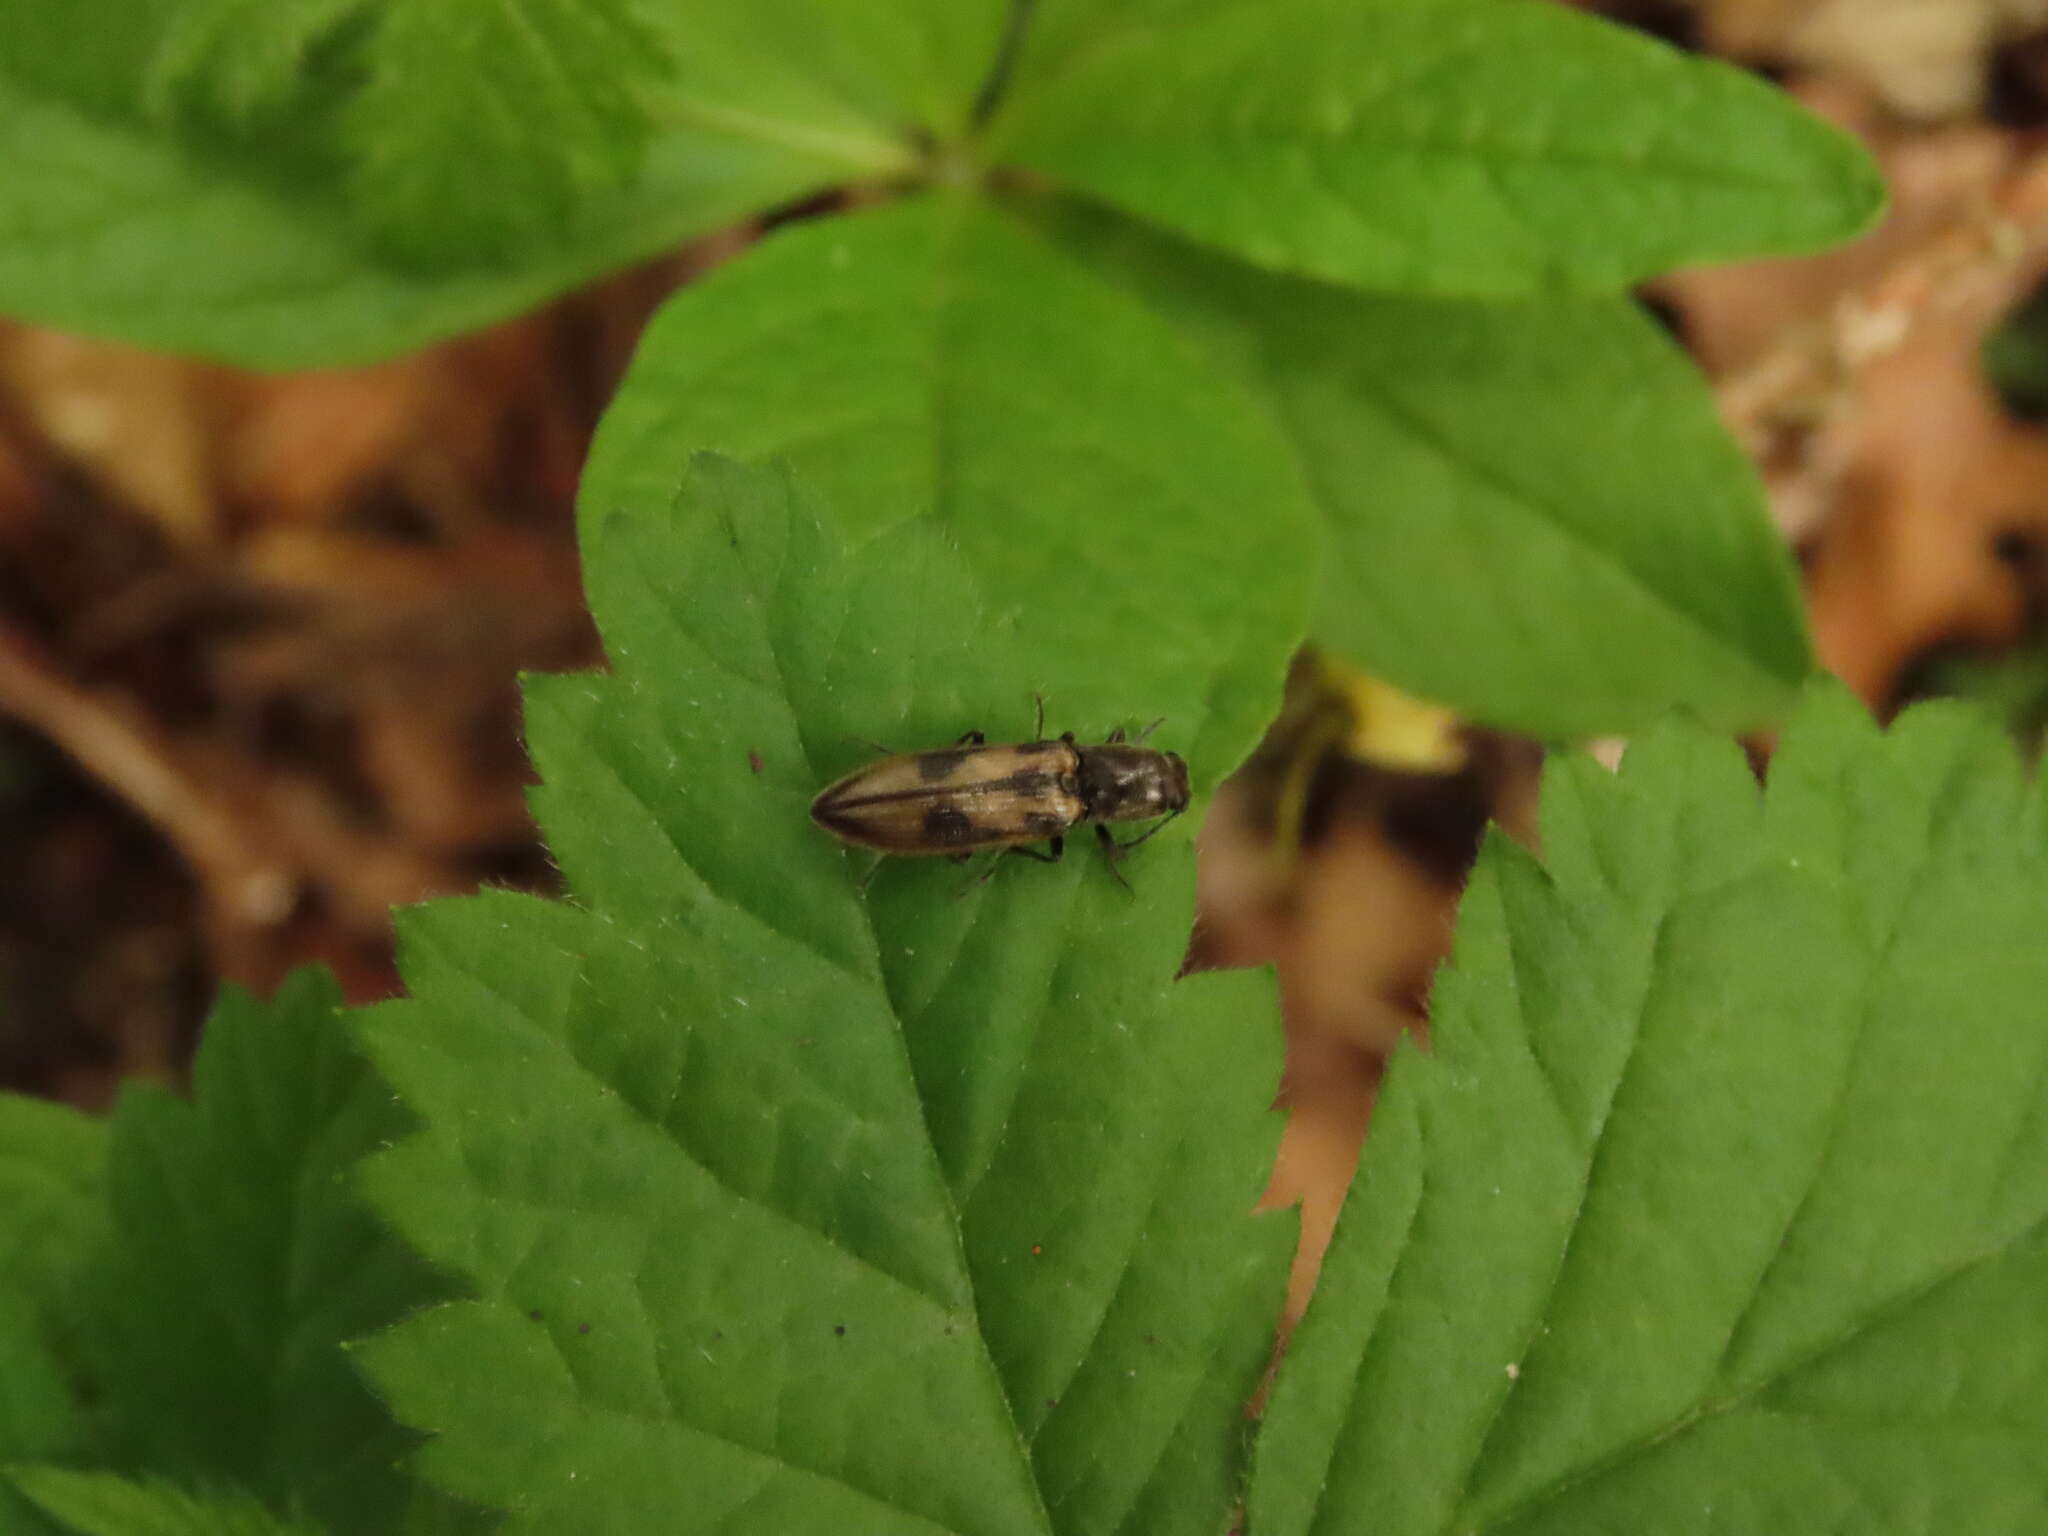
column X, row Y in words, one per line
column 1058, row 847
column 979, row 880
column 1038, row 729
column 972, row 739
column 1140, row 738
column 1116, row 735
column 1112, row 850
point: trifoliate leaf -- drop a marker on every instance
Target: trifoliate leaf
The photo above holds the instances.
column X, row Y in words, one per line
column 1472, row 147
column 1718, row 1201
column 791, row 1207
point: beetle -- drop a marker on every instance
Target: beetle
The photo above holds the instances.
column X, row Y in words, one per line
column 971, row 796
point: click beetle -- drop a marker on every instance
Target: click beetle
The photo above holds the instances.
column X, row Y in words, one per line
column 971, row 796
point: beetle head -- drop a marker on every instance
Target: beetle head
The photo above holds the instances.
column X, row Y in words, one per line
column 1126, row 783
column 1178, row 793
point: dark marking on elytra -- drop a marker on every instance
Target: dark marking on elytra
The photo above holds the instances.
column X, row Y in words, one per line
column 1044, row 824
column 947, row 825
column 935, row 766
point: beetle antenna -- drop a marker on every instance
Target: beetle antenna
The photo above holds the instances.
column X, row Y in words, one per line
column 1123, row 848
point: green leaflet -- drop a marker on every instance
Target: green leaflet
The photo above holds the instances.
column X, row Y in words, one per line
column 1140, row 537
column 100, row 1504
column 1470, row 147
column 52, row 1222
column 793, row 1212
column 1532, row 511
column 208, row 1286
column 238, row 63
column 1718, row 1204
column 326, row 189
column 480, row 129
column 109, row 228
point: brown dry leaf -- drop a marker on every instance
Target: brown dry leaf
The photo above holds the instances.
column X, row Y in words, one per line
column 1354, row 925
column 1329, row 1096
column 282, row 618
column 1939, row 181
column 143, row 423
column 1928, row 544
column 1855, row 379
column 1923, row 58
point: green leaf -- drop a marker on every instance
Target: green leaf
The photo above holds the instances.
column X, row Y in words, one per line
column 52, row 1212
column 1141, row 534
column 39, row 1413
column 247, row 241
column 52, row 1221
column 1476, row 147
column 2012, row 684
column 1061, row 31
column 1719, row 1201
column 907, row 65
column 100, row 68
column 235, row 61
column 242, row 1262
column 1533, row 511
column 483, row 126
column 101, row 1504
column 791, row 1209
column 2015, row 358
column 113, row 230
